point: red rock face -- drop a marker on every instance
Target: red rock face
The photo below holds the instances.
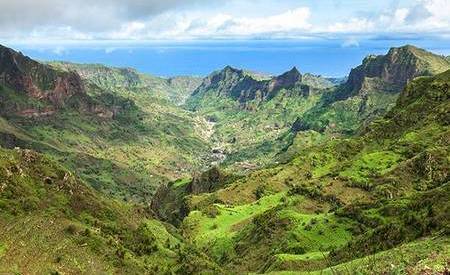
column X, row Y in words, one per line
column 37, row 80
column 65, row 87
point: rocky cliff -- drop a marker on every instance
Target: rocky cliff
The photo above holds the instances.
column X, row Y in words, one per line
column 170, row 202
column 244, row 87
column 371, row 90
column 22, row 74
column 396, row 68
column 34, row 90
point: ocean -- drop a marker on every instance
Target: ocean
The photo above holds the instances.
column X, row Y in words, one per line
column 330, row 58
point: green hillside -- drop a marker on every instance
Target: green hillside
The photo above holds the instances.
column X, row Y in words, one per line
column 51, row 222
column 109, row 171
column 337, row 205
column 371, row 90
column 176, row 89
column 120, row 140
column 252, row 129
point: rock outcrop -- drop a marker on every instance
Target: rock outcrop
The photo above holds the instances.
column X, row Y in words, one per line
column 39, row 81
column 243, row 87
column 170, row 202
column 396, row 68
column 54, row 89
column 207, row 182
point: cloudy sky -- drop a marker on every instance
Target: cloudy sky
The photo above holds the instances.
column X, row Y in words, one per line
column 142, row 20
column 195, row 37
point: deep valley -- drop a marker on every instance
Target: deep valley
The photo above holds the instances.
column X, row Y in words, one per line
column 107, row 170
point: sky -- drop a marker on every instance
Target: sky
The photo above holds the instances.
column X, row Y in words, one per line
column 173, row 37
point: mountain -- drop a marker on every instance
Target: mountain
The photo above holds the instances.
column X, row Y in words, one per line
column 253, row 174
column 120, row 141
column 374, row 203
column 244, row 87
column 397, row 67
column 371, row 90
column 43, row 89
column 252, row 115
column 176, row 89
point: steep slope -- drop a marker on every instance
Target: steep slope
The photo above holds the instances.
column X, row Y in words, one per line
column 121, row 142
column 251, row 116
column 371, row 90
column 243, row 87
column 176, row 89
column 42, row 90
column 341, row 203
column 51, row 222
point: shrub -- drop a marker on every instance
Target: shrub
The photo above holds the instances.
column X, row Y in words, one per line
column 211, row 211
column 260, row 192
column 295, row 248
column 71, row 229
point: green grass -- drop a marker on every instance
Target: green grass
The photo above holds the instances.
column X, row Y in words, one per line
column 318, row 255
column 215, row 235
column 421, row 256
column 2, row 249
column 372, row 164
column 53, row 222
column 208, row 229
column 424, row 255
column 181, row 182
column 317, row 232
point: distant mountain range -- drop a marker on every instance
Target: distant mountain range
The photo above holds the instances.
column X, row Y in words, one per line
column 176, row 89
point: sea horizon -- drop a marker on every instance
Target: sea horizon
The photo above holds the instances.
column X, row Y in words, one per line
column 328, row 58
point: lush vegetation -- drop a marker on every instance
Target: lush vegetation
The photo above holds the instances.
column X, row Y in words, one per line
column 338, row 204
column 299, row 174
column 145, row 141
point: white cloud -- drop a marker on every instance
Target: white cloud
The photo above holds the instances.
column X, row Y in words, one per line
column 59, row 50
column 353, row 25
column 109, row 50
column 350, row 42
column 182, row 25
column 139, row 20
column 426, row 16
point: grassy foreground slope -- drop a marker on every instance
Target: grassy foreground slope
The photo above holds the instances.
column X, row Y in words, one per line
column 345, row 204
column 52, row 223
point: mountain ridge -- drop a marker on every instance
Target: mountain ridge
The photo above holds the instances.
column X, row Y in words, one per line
column 243, row 185
column 243, row 87
column 177, row 89
column 335, row 202
column 371, row 90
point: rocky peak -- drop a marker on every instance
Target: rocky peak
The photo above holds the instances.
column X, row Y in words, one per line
column 285, row 81
column 397, row 67
column 243, row 87
column 292, row 76
column 37, row 80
